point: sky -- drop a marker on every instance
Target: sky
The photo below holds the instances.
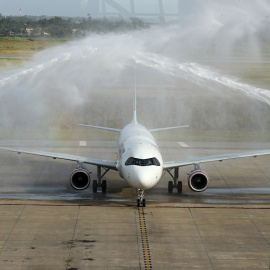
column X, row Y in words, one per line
column 74, row 8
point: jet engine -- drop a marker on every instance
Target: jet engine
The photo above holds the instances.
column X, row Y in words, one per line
column 198, row 180
column 80, row 179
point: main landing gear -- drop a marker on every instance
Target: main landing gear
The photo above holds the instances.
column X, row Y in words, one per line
column 99, row 182
column 175, row 183
column 140, row 200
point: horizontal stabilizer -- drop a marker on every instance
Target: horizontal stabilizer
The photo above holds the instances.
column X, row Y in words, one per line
column 167, row 128
column 105, row 128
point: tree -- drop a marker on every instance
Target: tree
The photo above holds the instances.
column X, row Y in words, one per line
column 59, row 27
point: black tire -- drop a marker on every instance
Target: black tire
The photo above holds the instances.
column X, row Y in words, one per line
column 95, row 186
column 170, row 186
column 143, row 203
column 179, row 187
column 104, row 186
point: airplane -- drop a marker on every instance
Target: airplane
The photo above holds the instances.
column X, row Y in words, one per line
column 140, row 161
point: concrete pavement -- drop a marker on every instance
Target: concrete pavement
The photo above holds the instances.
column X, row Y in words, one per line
column 46, row 225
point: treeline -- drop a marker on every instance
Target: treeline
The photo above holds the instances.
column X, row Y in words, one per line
column 63, row 27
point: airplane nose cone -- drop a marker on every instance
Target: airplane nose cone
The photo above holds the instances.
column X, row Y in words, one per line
column 144, row 178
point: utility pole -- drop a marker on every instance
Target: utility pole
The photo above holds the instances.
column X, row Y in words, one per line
column 179, row 8
column 103, row 8
column 132, row 8
column 161, row 11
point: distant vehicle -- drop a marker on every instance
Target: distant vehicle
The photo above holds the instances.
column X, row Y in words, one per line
column 140, row 162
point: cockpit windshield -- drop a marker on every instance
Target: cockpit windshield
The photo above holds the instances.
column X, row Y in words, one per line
column 142, row 162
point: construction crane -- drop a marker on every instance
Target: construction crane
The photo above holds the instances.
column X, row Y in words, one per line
column 105, row 8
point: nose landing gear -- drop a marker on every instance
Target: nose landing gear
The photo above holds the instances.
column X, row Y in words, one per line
column 140, row 200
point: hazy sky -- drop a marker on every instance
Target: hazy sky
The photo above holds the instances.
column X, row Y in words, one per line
column 94, row 7
column 77, row 7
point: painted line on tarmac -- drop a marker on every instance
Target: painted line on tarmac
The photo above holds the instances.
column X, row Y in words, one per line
column 144, row 239
column 83, row 143
column 182, row 144
column 29, row 203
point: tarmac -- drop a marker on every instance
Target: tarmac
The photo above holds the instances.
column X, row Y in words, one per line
column 44, row 224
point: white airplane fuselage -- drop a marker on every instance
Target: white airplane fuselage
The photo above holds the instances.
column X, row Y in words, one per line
column 140, row 162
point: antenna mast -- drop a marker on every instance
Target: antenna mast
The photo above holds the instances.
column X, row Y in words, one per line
column 135, row 97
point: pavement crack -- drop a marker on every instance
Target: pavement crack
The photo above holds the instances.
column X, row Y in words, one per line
column 7, row 239
column 206, row 251
column 71, row 243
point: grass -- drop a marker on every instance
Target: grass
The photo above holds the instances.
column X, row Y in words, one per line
column 24, row 46
column 253, row 73
column 15, row 51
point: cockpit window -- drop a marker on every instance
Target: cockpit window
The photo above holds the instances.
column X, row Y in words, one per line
column 142, row 162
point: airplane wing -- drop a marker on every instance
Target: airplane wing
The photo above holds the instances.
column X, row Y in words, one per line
column 186, row 162
column 92, row 161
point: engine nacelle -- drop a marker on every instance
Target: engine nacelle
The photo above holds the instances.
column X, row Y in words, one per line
column 198, row 180
column 80, row 179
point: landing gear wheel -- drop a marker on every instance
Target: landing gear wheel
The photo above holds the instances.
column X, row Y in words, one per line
column 104, row 186
column 170, row 186
column 141, row 200
column 95, row 186
column 143, row 203
column 179, row 187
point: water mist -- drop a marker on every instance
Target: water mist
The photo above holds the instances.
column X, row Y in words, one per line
column 180, row 75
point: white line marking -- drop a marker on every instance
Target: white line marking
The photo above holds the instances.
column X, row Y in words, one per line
column 82, row 143
column 182, row 144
